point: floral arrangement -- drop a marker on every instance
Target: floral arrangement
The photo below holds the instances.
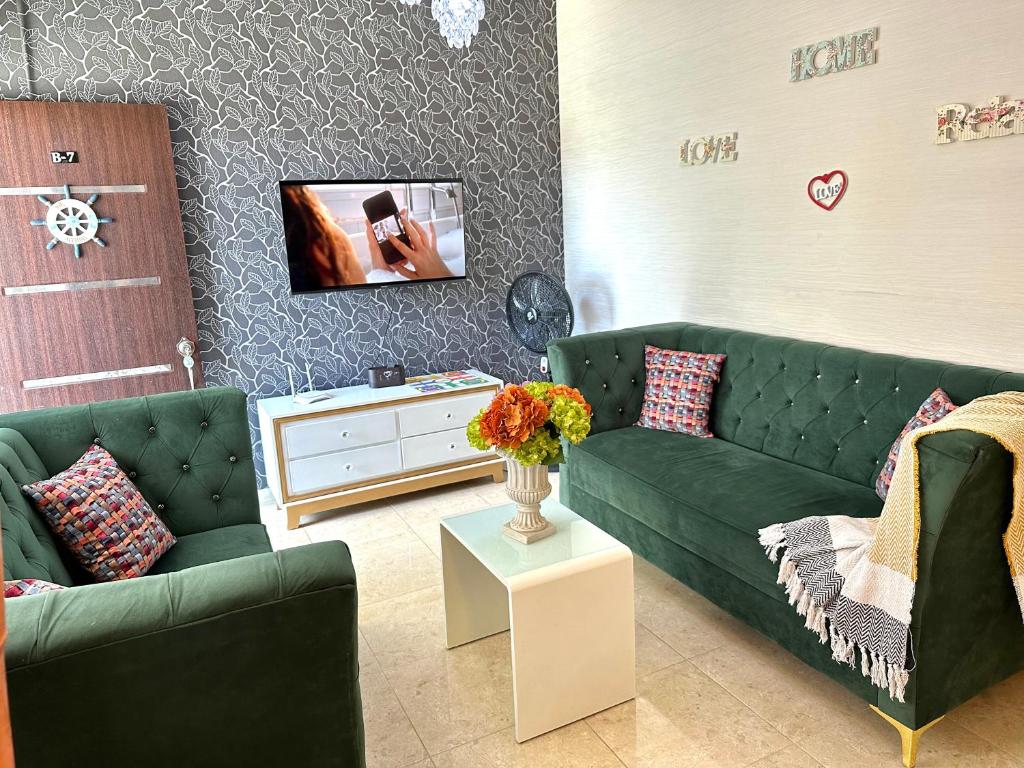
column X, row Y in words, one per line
column 526, row 422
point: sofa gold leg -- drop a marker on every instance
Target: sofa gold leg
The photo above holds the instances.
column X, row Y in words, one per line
column 910, row 738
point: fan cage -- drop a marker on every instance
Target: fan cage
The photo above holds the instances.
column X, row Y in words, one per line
column 539, row 310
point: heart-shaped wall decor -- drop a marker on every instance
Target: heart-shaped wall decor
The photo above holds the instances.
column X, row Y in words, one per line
column 828, row 189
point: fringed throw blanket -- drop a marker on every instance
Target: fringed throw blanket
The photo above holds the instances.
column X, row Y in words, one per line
column 854, row 578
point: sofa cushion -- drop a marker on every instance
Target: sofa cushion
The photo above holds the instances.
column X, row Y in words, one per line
column 935, row 408
column 711, row 496
column 99, row 514
column 25, row 587
column 213, row 546
column 678, row 392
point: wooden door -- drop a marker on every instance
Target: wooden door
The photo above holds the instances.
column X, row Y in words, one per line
column 104, row 323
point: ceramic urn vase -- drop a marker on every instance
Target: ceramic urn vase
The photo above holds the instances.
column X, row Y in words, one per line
column 527, row 487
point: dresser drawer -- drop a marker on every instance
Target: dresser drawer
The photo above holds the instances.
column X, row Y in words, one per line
column 437, row 448
column 343, row 468
column 444, row 413
column 337, row 433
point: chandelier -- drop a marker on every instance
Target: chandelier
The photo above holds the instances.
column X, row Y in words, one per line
column 458, row 20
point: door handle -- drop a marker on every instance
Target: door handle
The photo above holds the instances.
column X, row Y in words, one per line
column 187, row 349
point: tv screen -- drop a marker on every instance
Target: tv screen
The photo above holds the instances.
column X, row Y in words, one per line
column 360, row 234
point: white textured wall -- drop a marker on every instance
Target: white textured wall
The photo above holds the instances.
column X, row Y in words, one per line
column 923, row 256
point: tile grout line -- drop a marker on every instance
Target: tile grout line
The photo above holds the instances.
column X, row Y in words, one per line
column 780, row 751
column 586, row 721
column 792, row 742
column 743, row 704
column 472, row 741
column 675, row 650
column 404, row 594
column 750, row 709
column 425, row 543
column 401, row 706
column 1017, row 760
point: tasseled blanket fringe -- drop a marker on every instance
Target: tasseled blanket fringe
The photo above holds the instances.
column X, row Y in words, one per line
column 883, row 673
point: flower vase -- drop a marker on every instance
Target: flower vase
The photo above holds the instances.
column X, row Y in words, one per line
column 527, row 487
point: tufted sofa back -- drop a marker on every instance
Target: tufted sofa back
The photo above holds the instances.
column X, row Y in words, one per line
column 189, row 453
column 833, row 409
column 30, row 551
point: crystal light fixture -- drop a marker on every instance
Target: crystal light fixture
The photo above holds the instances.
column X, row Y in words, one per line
column 458, row 20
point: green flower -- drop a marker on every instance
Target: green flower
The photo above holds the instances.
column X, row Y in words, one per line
column 542, row 448
column 538, row 389
column 473, row 433
column 571, row 418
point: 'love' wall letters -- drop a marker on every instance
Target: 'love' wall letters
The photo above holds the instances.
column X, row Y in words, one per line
column 720, row 148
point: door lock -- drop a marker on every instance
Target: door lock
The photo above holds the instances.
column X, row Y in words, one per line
column 187, row 349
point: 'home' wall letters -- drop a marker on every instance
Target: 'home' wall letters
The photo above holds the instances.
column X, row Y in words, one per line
column 844, row 52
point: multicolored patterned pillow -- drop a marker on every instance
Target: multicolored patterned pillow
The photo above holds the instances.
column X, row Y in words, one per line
column 101, row 516
column 677, row 397
column 937, row 406
column 22, row 587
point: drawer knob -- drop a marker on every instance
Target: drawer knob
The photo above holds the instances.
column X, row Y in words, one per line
column 451, row 447
column 348, row 467
column 345, row 433
column 448, row 416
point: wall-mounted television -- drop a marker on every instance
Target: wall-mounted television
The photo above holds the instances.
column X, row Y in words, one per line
column 361, row 234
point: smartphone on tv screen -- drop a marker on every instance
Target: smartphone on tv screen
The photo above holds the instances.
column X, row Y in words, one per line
column 382, row 211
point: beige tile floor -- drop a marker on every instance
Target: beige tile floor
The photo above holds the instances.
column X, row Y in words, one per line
column 711, row 692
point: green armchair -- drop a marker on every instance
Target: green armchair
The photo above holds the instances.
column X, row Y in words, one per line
column 227, row 653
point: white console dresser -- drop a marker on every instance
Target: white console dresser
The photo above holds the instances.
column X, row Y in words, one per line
column 364, row 444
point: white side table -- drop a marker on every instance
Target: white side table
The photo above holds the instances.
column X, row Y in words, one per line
column 568, row 600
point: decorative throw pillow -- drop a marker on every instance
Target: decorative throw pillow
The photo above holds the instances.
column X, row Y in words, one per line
column 101, row 516
column 22, row 587
column 677, row 397
column 937, row 406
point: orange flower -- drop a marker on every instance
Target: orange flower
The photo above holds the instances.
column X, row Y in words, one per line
column 572, row 393
column 512, row 417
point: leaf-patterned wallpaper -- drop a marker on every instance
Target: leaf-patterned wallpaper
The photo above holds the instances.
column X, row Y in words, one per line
column 258, row 91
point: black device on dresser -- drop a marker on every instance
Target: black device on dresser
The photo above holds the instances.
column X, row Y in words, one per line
column 384, row 376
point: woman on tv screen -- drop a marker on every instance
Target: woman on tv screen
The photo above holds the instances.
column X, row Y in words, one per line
column 320, row 255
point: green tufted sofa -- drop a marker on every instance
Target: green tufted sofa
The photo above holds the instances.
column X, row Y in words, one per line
column 226, row 654
column 802, row 429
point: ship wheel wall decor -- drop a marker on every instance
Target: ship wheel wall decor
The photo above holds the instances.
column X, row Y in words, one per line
column 72, row 222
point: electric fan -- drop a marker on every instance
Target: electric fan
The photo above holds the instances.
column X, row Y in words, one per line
column 539, row 309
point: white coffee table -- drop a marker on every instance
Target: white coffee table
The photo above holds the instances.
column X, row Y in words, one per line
column 568, row 600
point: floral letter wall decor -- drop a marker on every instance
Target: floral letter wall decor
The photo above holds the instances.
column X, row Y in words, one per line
column 836, row 55
column 720, row 148
column 1000, row 118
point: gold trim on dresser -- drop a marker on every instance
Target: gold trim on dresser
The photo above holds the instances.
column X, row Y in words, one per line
column 494, row 468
